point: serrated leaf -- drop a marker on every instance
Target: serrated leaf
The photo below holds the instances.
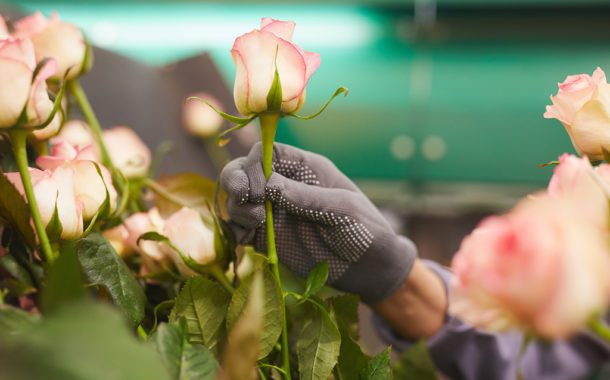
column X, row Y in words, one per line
column 104, row 267
column 64, row 282
column 15, row 212
column 184, row 190
column 203, row 303
column 378, row 368
column 183, row 360
column 273, row 314
column 415, row 364
column 243, row 348
column 318, row 347
column 316, row 279
column 80, row 341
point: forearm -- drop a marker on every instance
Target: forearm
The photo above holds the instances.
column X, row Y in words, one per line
column 417, row 309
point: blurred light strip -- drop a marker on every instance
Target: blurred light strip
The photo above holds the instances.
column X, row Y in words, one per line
column 205, row 26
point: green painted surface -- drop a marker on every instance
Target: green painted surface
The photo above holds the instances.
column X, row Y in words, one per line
column 483, row 100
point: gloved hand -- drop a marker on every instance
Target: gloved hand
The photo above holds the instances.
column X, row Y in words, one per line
column 319, row 214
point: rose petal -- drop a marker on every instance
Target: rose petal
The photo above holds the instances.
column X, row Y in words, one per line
column 282, row 29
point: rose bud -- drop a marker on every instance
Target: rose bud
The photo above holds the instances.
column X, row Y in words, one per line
column 89, row 187
column 17, row 65
column 117, row 236
column 154, row 258
column 540, row 268
column 56, row 39
column 582, row 104
column 256, row 54
column 128, row 152
column 78, row 134
column 199, row 118
column 55, row 189
column 191, row 236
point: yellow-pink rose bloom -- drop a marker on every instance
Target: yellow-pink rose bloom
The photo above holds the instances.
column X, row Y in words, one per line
column 542, row 268
column 582, row 104
column 255, row 55
column 128, row 152
column 55, row 39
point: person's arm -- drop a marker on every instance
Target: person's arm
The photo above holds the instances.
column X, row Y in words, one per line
column 461, row 351
column 417, row 309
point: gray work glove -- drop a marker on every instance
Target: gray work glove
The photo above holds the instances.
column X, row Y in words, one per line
column 319, row 214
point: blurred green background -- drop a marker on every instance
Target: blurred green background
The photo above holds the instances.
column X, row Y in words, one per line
column 446, row 92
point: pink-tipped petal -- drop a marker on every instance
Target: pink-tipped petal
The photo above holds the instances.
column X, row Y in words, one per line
column 598, row 76
column 312, row 62
column 241, row 87
column 31, row 25
column 282, row 29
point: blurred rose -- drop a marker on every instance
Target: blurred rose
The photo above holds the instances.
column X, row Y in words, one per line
column 582, row 104
column 128, row 152
column 89, row 187
column 200, row 119
column 254, row 55
column 191, row 236
column 576, row 178
column 137, row 225
column 56, row 39
column 78, row 134
column 53, row 188
column 117, row 236
column 18, row 90
column 541, row 268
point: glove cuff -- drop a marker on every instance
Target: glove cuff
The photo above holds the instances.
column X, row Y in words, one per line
column 381, row 270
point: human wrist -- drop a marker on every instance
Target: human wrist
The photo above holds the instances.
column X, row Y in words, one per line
column 417, row 309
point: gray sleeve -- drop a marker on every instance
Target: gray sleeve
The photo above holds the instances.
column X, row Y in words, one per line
column 461, row 351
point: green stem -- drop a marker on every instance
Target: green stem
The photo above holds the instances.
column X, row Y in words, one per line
column 85, row 107
column 222, row 278
column 600, row 329
column 268, row 128
column 18, row 139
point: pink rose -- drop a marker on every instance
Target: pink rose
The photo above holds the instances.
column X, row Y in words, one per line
column 199, row 119
column 137, row 225
column 55, row 189
column 78, row 134
column 254, row 55
column 576, row 178
column 18, row 91
column 191, row 236
column 582, row 104
column 117, row 236
column 541, row 268
column 128, row 152
column 56, row 39
column 89, row 187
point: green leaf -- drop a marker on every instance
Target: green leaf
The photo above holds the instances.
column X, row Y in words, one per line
column 13, row 321
column 15, row 212
column 316, row 279
column 415, row 364
column 9, row 264
column 243, row 348
column 318, row 346
column 203, row 303
column 378, row 368
column 82, row 341
column 183, row 190
column 351, row 358
column 339, row 91
column 64, row 281
column 273, row 310
column 184, row 360
column 274, row 96
column 54, row 227
column 103, row 266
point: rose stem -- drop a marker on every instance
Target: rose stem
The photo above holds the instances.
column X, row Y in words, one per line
column 268, row 127
column 83, row 103
column 19, row 138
